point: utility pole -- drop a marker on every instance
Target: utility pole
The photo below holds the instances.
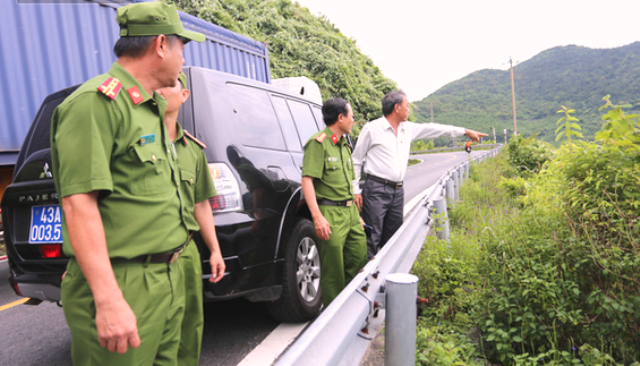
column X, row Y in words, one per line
column 513, row 100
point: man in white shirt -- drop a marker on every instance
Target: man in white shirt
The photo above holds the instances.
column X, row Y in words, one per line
column 383, row 147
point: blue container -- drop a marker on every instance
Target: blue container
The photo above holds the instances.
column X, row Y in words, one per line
column 49, row 45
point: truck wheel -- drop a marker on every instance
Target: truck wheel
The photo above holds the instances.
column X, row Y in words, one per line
column 301, row 295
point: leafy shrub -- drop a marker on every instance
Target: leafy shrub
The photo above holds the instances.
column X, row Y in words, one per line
column 449, row 282
column 528, row 154
column 444, row 345
column 528, row 280
column 567, row 125
column 515, row 187
column 595, row 187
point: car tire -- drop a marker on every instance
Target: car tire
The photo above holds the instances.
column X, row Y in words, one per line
column 301, row 297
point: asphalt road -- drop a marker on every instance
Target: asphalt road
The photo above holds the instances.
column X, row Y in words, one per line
column 426, row 173
column 38, row 335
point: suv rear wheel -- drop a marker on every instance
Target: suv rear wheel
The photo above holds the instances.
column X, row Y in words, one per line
column 301, row 294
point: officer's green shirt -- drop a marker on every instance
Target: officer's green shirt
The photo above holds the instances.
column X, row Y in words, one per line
column 115, row 142
column 330, row 163
column 196, row 183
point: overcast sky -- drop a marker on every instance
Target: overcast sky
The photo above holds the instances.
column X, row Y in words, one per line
column 424, row 44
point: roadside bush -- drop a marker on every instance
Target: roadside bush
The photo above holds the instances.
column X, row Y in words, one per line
column 528, row 155
column 596, row 187
column 514, row 187
column 448, row 280
column 523, row 282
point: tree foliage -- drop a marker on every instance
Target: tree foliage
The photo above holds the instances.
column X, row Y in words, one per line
column 302, row 44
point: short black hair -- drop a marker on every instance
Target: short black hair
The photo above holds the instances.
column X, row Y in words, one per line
column 135, row 46
column 332, row 108
column 390, row 100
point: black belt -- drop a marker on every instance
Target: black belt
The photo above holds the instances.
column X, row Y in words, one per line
column 389, row 183
column 346, row 203
column 168, row 257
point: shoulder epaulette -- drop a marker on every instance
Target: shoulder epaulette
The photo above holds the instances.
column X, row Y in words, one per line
column 111, row 87
column 321, row 137
column 202, row 145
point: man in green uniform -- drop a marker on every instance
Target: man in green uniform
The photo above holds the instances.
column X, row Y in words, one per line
column 327, row 173
column 196, row 187
column 124, row 225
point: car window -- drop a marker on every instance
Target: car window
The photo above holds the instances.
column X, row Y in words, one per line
column 286, row 121
column 319, row 120
column 305, row 122
column 255, row 121
column 38, row 137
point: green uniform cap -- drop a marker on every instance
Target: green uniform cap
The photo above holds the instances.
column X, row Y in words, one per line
column 152, row 19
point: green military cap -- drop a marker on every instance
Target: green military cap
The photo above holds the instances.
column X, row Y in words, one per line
column 183, row 79
column 152, row 19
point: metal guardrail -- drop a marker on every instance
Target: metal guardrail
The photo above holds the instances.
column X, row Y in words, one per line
column 344, row 330
column 455, row 148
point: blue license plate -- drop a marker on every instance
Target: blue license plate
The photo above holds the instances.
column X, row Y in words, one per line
column 46, row 225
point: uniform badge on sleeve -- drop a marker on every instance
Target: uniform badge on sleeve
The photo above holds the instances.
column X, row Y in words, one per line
column 111, row 87
column 135, row 95
column 321, row 137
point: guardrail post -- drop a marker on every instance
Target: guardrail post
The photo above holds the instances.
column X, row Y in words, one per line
column 451, row 193
column 461, row 175
column 442, row 222
column 466, row 170
column 456, row 185
column 400, row 330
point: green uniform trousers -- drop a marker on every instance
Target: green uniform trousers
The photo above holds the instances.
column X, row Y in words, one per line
column 193, row 322
column 155, row 293
column 345, row 253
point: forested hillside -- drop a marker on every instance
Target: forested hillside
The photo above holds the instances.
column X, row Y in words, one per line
column 576, row 77
column 302, row 44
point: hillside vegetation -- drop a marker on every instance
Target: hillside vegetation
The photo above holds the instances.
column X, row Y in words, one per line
column 573, row 76
column 542, row 263
column 302, row 44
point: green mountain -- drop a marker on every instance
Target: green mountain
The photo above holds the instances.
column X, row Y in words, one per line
column 573, row 76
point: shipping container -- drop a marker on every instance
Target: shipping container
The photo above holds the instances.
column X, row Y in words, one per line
column 49, row 45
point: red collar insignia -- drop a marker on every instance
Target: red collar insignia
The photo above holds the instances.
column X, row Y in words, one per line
column 335, row 138
column 111, row 87
column 135, row 95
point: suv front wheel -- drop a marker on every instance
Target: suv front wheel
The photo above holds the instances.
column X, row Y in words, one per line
column 301, row 295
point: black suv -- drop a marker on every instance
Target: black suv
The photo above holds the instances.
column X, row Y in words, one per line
column 254, row 134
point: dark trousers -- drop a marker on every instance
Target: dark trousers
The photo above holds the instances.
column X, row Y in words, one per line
column 382, row 208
